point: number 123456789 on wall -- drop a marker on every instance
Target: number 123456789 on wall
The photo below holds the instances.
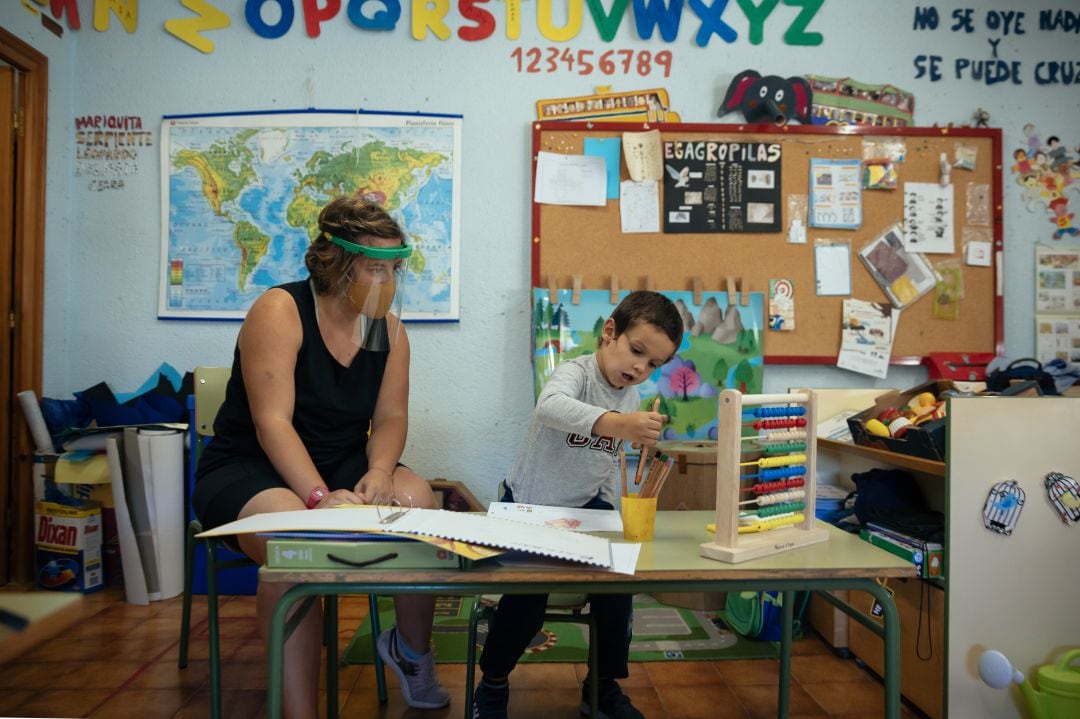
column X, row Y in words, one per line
column 584, row 62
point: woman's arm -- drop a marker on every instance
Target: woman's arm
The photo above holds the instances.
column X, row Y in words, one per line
column 390, row 423
column 269, row 341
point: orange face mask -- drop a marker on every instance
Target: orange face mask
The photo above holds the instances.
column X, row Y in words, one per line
column 372, row 301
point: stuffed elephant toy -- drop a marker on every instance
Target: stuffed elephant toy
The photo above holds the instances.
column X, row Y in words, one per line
column 768, row 99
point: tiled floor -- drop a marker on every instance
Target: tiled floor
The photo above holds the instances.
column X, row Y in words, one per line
column 120, row 661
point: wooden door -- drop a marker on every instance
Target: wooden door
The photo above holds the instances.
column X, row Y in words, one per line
column 7, row 284
column 22, row 275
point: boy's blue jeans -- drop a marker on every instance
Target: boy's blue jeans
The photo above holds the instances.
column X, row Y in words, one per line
column 519, row 617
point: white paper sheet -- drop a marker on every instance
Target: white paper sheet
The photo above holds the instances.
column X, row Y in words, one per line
column 624, row 559
column 459, row 526
column 134, row 579
column 140, row 494
column 832, row 269
column 835, row 194
column 570, row 179
column 639, row 206
column 578, row 520
column 928, row 217
column 978, row 253
column 867, row 337
column 163, row 453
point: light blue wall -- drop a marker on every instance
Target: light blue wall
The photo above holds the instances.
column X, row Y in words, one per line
column 471, row 391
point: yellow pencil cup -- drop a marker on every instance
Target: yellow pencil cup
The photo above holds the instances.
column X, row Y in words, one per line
column 638, row 518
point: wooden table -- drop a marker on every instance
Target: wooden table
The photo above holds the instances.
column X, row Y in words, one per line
column 669, row 563
column 47, row 614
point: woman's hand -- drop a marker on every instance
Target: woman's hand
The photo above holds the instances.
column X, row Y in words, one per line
column 376, row 487
column 338, row 496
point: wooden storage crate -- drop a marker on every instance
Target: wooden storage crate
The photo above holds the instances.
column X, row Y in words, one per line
column 922, row 645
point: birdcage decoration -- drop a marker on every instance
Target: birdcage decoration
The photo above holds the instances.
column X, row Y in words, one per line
column 1064, row 494
column 1003, row 507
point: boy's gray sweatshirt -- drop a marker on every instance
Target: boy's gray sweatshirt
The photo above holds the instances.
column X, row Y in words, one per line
column 560, row 462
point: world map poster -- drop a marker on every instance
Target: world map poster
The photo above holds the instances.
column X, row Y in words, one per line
column 241, row 196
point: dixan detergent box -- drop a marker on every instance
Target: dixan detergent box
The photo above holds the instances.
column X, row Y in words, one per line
column 67, row 552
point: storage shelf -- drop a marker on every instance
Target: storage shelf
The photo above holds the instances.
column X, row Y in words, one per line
column 915, row 464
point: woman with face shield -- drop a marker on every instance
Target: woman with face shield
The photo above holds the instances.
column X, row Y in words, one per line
column 315, row 415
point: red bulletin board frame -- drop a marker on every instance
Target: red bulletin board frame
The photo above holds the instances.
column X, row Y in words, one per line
column 571, row 137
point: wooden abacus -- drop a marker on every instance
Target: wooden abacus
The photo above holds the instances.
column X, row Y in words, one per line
column 778, row 493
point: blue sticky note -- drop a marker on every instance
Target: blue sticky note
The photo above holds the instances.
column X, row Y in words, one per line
column 607, row 148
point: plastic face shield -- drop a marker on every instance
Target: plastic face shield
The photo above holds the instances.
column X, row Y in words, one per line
column 374, row 288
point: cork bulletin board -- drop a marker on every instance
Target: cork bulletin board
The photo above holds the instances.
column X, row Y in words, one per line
column 585, row 243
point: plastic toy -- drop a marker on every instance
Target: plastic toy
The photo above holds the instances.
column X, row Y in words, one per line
column 768, row 99
column 1058, row 696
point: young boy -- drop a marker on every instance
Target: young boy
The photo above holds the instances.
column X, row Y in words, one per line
column 569, row 458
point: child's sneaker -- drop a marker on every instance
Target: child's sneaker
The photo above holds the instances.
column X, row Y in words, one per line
column 613, row 703
column 489, row 702
column 419, row 684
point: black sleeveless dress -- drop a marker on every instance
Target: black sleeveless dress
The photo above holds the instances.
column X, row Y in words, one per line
column 332, row 414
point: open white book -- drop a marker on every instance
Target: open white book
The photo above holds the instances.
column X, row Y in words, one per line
column 459, row 526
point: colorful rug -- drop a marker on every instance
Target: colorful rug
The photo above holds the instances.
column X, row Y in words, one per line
column 661, row 633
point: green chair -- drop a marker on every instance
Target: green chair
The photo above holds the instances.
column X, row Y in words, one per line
column 560, row 608
column 210, row 385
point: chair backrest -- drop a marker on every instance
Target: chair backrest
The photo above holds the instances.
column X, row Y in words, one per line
column 203, row 407
column 209, row 394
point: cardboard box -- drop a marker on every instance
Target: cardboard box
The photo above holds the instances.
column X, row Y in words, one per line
column 926, row 441
column 47, row 489
column 928, row 557
column 67, row 551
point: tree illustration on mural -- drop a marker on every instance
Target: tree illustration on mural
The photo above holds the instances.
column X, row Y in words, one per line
column 668, row 409
column 557, row 317
column 685, row 379
column 538, row 320
column 548, row 311
column 746, row 341
column 598, row 329
column 720, row 372
column 744, row 375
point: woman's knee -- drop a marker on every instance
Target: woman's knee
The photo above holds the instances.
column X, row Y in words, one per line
column 410, row 487
column 265, row 502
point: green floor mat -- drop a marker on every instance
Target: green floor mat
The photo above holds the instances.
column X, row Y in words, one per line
column 661, row 633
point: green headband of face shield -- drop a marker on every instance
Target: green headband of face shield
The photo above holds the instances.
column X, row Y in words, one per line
column 375, row 253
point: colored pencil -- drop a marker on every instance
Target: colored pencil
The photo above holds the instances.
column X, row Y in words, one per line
column 622, row 470
column 641, row 458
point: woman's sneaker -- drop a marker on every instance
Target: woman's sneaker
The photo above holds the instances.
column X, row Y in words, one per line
column 490, row 702
column 613, row 703
column 419, row 684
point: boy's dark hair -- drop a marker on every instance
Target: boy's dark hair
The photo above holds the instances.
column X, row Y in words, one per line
column 1052, row 139
column 651, row 307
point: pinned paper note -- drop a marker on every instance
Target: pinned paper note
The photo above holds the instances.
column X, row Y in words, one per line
column 639, row 206
column 607, row 148
column 781, row 305
column 832, row 267
column 835, row 194
column 643, row 155
column 928, row 217
column 866, row 336
column 570, row 179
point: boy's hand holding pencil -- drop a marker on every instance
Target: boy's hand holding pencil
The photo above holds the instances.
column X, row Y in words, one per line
column 642, row 429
